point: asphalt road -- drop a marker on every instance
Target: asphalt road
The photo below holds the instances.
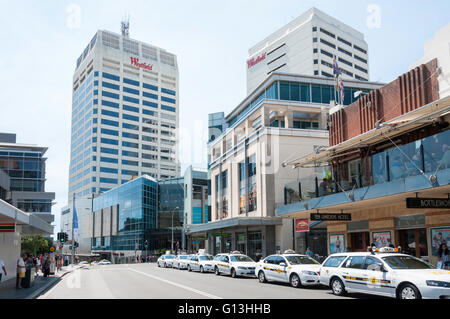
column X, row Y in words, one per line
column 147, row 281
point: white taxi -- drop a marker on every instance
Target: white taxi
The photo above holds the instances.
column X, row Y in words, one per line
column 181, row 262
column 165, row 261
column 298, row 270
column 235, row 264
column 385, row 272
column 201, row 262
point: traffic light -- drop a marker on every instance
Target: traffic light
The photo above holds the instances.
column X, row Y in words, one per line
column 76, row 245
column 62, row 237
column 66, row 237
column 146, row 244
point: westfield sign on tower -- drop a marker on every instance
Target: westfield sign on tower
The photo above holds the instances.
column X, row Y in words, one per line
column 135, row 62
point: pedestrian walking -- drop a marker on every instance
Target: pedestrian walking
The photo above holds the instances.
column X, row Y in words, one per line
column 2, row 269
column 38, row 265
column 309, row 252
column 46, row 266
column 444, row 257
column 20, row 270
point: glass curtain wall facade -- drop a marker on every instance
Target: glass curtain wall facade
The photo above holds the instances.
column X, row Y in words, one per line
column 170, row 214
column 137, row 215
column 300, row 92
column 429, row 155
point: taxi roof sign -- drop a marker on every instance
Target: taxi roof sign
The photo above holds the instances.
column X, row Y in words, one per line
column 289, row 251
column 236, row 252
column 384, row 250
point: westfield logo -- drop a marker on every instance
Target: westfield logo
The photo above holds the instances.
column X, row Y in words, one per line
column 135, row 62
column 253, row 61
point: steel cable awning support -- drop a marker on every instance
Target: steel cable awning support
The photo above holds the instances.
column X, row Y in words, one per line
column 403, row 123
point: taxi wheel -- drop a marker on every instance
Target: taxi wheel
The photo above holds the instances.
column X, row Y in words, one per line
column 165, row 265
column 295, row 281
column 233, row 273
column 216, row 270
column 337, row 287
column 409, row 291
column 262, row 277
column 201, row 269
column 159, row 265
column 189, row 268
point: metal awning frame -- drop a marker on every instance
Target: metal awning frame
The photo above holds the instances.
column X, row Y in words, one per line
column 412, row 120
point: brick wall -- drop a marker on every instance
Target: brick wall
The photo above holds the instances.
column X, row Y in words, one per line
column 408, row 92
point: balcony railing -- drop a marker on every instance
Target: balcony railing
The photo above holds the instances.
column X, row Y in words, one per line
column 422, row 157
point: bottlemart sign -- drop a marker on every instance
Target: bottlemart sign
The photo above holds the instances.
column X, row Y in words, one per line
column 7, row 228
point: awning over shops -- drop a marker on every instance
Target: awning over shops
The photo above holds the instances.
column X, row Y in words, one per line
column 234, row 222
column 406, row 122
column 30, row 224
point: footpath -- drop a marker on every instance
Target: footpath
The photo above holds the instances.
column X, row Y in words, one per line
column 40, row 284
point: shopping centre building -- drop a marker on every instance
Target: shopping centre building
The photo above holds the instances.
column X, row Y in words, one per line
column 286, row 113
column 385, row 176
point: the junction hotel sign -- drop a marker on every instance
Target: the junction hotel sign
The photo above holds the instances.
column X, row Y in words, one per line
column 440, row 203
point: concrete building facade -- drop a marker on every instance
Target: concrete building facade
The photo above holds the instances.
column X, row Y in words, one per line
column 307, row 45
column 286, row 112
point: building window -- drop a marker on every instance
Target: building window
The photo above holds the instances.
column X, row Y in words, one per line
column 224, row 185
column 242, row 192
column 328, row 43
column 252, row 203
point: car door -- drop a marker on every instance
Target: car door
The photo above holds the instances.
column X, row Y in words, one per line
column 269, row 267
column 194, row 263
column 216, row 261
column 378, row 279
column 280, row 266
column 225, row 265
column 353, row 273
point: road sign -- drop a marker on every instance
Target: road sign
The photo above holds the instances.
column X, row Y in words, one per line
column 52, row 249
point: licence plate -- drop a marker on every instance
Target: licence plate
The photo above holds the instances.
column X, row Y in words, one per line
column 251, row 272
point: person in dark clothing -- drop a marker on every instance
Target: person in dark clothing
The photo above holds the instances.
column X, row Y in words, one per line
column 46, row 266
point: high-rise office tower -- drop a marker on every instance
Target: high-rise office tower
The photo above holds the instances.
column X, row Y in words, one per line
column 125, row 114
column 307, row 46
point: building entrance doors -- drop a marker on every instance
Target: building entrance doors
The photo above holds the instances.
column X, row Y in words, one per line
column 359, row 241
column 414, row 241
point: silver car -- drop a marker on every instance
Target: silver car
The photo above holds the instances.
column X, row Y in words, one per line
column 165, row 261
column 180, row 262
column 201, row 263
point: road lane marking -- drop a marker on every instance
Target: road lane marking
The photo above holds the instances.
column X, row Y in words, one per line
column 178, row 285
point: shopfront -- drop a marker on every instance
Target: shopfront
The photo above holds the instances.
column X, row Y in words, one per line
column 416, row 232
column 255, row 237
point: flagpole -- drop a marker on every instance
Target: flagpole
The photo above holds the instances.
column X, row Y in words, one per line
column 73, row 226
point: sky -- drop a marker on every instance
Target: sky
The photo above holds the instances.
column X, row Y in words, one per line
column 41, row 41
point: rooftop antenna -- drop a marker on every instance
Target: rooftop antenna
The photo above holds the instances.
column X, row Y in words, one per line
column 125, row 26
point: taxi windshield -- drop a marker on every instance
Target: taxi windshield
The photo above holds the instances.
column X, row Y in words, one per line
column 169, row 257
column 183, row 257
column 205, row 257
column 241, row 258
column 407, row 262
column 301, row 260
